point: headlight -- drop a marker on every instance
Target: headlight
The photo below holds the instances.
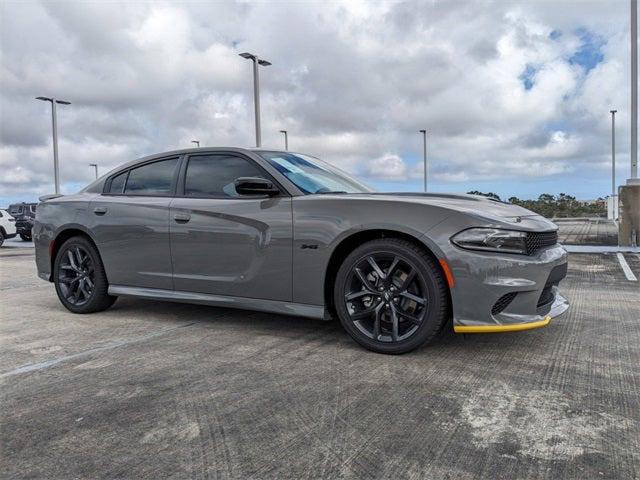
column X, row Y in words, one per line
column 492, row 240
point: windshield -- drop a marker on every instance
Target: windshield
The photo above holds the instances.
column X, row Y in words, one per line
column 312, row 175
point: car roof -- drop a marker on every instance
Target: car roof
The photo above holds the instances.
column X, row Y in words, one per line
column 184, row 151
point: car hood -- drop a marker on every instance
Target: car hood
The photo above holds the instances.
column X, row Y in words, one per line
column 475, row 205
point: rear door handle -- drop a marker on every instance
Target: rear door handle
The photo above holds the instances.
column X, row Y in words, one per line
column 100, row 210
column 182, row 217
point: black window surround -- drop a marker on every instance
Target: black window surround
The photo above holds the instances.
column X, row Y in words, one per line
column 174, row 179
column 177, row 186
column 112, row 179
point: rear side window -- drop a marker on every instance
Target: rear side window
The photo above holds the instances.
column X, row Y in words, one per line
column 215, row 175
column 117, row 183
column 151, row 179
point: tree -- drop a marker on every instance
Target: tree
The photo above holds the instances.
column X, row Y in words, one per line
column 490, row 194
column 550, row 206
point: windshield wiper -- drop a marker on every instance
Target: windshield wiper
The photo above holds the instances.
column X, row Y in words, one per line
column 330, row 191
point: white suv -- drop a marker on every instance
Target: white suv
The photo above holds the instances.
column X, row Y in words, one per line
column 7, row 226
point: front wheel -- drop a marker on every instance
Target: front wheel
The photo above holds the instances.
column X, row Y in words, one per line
column 390, row 296
column 26, row 237
column 79, row 277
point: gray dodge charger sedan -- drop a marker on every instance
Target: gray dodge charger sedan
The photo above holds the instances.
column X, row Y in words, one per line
column 287, row 233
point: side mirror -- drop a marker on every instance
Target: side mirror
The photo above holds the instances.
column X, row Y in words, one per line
column 255, row 186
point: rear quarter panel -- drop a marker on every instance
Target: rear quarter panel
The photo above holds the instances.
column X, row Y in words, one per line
column 52, row 217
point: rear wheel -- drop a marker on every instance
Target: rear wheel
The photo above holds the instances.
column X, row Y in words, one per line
column 390, row 296
column 79, row 277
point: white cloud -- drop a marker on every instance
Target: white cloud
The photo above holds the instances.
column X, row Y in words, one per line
column 387, row 167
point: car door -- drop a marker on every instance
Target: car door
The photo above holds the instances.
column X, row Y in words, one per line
column 225, row 243
column 130, row 223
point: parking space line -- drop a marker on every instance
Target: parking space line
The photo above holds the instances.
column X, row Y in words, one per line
column 55, row 361
column 625, row 268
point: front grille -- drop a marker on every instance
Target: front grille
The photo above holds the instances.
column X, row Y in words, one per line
column 503, row 302
column 536, row 241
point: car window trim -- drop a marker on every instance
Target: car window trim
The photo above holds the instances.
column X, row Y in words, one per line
column 174, row 179
column 180, row 192
column 107, row 184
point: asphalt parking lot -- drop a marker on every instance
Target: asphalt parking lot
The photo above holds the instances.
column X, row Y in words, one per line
column 151, row 390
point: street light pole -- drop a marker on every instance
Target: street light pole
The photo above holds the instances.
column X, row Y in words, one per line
column 286, row 139
column 95, row 165
column 256, row 90
column 614, row 203
column 634, row 88
column 197, row 142
column 424, row 145
column 613, row 152
column 54, row 125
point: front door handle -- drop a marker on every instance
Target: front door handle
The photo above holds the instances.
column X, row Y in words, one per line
column 100, row 210
column 182, row 217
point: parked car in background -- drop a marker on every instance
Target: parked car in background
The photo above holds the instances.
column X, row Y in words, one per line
column 7, row 226
column 287, row 233
column 25, row 214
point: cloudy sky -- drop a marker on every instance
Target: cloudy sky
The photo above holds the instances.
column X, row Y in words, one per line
column 515, row 95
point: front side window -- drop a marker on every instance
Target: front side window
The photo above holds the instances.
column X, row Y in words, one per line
column 215, row 175
column 151, row 179
column 312, row 175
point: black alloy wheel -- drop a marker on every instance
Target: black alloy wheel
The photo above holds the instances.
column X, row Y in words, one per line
column 386, row 297
column 79, row 277
column 390, row 296
column 76, row 275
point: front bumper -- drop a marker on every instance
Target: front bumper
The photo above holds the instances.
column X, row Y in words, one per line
column 506, row 293
column 559, row 306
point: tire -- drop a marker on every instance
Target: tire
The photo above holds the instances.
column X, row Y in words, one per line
column 1, row 239
column 409, row 306
column 25, row 237
column 79, row 277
